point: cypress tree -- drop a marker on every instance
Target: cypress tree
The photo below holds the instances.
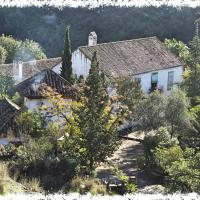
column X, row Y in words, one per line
column 66, row 70
column 191, row 82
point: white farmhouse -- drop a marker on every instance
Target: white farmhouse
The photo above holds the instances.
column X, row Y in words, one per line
column 144, row 58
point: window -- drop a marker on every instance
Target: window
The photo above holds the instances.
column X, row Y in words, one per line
column 170, row 80
column 154, row 80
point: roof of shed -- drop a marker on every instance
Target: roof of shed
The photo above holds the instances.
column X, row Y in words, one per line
column 132, row 57
column 33, row 87
column 31, row 68
column 8, row 110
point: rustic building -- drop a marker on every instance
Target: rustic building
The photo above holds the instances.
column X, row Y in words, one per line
column 23, row 70
column 32, row 89
column 146, row 59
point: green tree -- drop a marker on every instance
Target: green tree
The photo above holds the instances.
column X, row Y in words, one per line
column 10, row 45
column 7, row 86
column 150, row 112
column 178, row 48
column 95, row 120
column 177, row 112
column 29, row 50
column 3, row 55
column 182, row 166
column 21, row 50
column 130, row 92
column 30, row 124
column 66, row 70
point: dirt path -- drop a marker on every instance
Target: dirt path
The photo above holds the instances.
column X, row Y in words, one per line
column 125, row 158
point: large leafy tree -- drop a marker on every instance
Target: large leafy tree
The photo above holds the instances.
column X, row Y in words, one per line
column 150, row 112
column 130, row 93
column 66, row 70
column 182, row 166
column 178, row 48
column 29, row 50
column 10, row 45
column 176, row 112
column 22, row 50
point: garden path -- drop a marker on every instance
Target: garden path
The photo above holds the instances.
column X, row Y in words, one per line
column 126, row 160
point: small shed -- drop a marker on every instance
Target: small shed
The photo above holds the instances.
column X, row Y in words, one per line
column 8, row 111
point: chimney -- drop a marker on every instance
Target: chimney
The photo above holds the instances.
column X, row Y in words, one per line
column 18, row 70
column 92, row 39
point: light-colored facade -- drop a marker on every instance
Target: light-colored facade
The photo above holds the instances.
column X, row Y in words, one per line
column 34, row 104
column 81, row 66
column 164, row 78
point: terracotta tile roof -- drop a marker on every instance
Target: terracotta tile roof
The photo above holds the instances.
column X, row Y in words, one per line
column 32, row 87
column 131, row 57
column 8, row 110
column 31, row 68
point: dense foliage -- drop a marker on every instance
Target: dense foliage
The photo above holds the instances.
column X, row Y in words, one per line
column 13, row 49
column 179, row 48
column 46, row 25
column 130, row 93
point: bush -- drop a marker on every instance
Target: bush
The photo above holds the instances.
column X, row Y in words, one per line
column 90, row 185
column 3, row 171
column 153, row 139
column 76, row 184
column 31, row 124
column 7, row 152
column 129, row 186
column 32, row 185
column 3, row 55
column 182, row 167
column 141, row 162
column 32, row 153
column 98, row 189
column 3, row 188
column 3, row 177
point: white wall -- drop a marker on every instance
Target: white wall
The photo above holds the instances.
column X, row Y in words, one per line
column 57, row 68
column 162, row 78
column 35, row 104
column 80, row 64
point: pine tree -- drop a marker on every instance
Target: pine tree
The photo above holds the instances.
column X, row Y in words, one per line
column 66, row 70
column 96, row 120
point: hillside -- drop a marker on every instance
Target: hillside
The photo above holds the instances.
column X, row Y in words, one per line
column 46, row 24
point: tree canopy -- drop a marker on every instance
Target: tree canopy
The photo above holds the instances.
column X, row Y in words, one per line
column 13, row 49
column 46, row 25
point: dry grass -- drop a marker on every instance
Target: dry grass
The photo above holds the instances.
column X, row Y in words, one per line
column 32, row 185
column 90, row 185
column 3, row 171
